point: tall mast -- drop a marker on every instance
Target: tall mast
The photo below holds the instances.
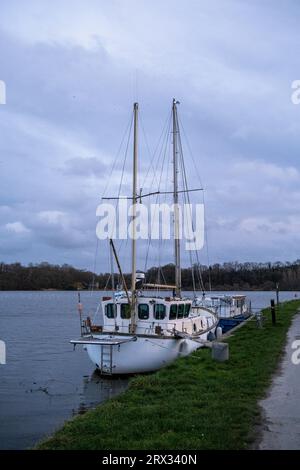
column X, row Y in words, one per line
column 134, row 202
column 175, row 201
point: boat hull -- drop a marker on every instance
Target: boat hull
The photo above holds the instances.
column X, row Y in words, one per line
column 145, row 354
column 228, row 323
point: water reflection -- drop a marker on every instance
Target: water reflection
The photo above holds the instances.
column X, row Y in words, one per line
column 97, row 389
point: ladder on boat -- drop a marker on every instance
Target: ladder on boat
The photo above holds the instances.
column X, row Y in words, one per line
column 106, row 359
column 106, row 343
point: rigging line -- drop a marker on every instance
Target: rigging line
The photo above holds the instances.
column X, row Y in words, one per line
column 107, row 282
column 191, row 260
column 198, row 175
column 163, row 276
column 149, row 152
column 122, row 173
column 96, row 312
column 200, row 278
column 166, row 138
column 190, row 150
column 185, row 200
column 167, row 150
column 95, row 266
column 109, row 276
column 162, row 242
column 207, row 249
column 128, row 128
column 165, row 126
column 125, row 158
column 164, row 152
column 121, row 181
column 188, row 198
column 129, row 124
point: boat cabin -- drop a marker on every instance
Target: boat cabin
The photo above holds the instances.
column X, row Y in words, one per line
column 225, row 305
column 154, row 315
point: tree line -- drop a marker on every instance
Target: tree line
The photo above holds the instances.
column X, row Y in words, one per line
column 226, row 276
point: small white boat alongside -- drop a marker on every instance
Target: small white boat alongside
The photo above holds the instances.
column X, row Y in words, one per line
column 226, row 306
column 142, row 332
column 230, row 309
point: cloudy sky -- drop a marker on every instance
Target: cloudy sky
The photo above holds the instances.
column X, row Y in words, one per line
column 72, row 70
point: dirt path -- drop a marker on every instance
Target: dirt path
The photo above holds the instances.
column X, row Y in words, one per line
column 281, row 409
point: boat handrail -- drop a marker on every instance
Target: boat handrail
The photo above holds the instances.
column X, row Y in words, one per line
column 103, row 341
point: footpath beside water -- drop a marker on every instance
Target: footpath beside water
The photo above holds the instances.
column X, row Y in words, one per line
column 195, row 403
column 281, row 408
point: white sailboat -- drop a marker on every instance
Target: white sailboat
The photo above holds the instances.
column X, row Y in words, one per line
column 143, row 332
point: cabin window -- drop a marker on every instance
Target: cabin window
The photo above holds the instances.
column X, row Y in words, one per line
column 173, row 312
column 110, row 310
column 180, row 310
column 125, row 311
column 143, row 311
column 187, row 310
column 159, row 311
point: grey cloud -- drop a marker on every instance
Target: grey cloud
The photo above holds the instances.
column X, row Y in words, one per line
column 89, row 166
column 70, row 92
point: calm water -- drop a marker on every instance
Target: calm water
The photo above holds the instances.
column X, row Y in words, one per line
column 44, row 381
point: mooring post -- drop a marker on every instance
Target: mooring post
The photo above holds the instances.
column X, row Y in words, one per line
column 273, row 312
column 277, row 296
column 220, row 351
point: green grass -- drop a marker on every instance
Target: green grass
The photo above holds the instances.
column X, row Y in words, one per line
column 195, row 403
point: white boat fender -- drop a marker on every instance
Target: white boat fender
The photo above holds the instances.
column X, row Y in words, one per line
column 183, row 348
column 219, row 332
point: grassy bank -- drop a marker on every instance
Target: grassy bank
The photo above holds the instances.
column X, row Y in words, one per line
column 193, row 404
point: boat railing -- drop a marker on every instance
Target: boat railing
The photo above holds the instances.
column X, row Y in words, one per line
column 189, row 324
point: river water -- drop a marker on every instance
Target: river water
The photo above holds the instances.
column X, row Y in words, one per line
column 44, row 382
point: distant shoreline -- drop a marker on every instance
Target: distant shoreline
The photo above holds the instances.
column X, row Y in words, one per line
column 230, row 276
column 231, row 289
